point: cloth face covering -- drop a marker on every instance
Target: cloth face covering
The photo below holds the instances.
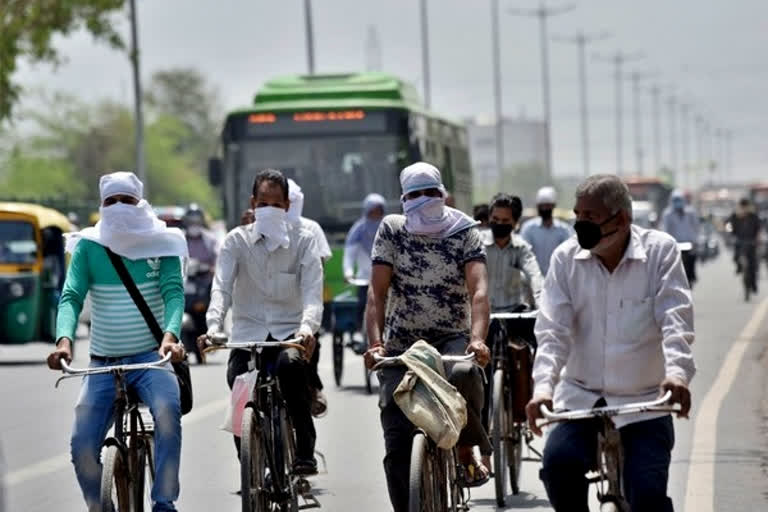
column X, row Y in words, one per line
column 589, row 233
column 430, row 217
column 270, row 222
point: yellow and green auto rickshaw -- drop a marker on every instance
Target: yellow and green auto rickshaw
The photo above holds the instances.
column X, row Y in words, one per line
column 32, row 271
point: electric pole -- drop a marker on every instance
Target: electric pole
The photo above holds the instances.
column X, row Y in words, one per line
column 673, row 155
column 141, row 170
column 656, row 106
column 310, row 36
column 496, row 50
column 372, row 50
column 684, row 145
column 581, row 40
column 636, row 78
column 618, row 60
column 543, row 13
column 425, row 54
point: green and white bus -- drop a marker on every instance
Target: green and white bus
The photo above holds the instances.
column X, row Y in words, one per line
column 339, row 137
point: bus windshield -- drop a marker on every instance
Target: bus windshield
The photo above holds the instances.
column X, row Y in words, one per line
column 334, row 172
column 18, row 244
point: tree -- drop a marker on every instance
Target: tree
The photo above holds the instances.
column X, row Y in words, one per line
column 27, row 29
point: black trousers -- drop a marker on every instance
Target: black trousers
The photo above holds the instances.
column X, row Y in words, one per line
column 293, row 375
column 398, row 430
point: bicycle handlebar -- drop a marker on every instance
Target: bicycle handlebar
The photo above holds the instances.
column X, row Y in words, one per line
column 382, row 361
column 220, row 342
column 358, row 282
column 515, row 316
column 70, row 372
column 659, row 405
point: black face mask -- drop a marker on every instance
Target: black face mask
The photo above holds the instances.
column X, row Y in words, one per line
column 545, row 213
column 501, row 231
column 589, row 233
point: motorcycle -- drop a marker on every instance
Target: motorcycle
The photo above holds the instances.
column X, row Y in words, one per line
column 197, row 296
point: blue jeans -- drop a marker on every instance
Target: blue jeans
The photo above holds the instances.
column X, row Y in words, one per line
column 571, row 451
column 159, row 390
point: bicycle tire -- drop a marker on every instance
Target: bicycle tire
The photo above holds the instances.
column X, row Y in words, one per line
column 515, row 455
column 286, row 456
column 416, row 476
column 115, row 484
column 144, row 474
column 609, row 506
column 253, row 464
column 499, row 435
column 338, row 357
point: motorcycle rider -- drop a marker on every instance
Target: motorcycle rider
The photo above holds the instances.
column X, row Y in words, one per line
column 201, row 243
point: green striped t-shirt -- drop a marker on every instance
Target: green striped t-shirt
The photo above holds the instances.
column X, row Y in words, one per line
column 117, row 327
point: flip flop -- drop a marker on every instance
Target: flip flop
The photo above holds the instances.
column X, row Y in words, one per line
column 475, row 474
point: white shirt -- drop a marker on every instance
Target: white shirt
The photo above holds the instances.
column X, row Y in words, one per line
column 614, row 335
column 545, row 239
column 683, row 227
column 278, row 293
column 513, row 273
column 323, row 249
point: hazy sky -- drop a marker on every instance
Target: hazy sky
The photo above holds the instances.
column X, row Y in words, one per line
column 712, row 51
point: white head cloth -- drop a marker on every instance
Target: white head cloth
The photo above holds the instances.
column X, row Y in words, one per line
column 546, row 195
column 296, row 197
column 429, row 216
column 132, row 231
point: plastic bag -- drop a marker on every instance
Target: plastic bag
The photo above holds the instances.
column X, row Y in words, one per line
column 242, row 390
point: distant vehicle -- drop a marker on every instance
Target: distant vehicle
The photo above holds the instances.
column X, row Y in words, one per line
column 340, row 136
column 651, row 190
column 171, row 215
column 644, row 214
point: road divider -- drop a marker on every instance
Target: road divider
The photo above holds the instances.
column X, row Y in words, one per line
column 700, row 490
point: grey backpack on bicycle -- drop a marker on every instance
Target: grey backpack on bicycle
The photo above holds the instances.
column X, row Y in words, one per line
column 426, row 397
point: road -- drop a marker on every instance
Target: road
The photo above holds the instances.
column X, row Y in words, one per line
column 718, row 461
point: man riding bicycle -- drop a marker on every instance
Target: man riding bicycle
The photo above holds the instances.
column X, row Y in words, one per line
column 615, row 325
column 428, row 282
column 746, row 226
column 271, row 275
column 119, row 334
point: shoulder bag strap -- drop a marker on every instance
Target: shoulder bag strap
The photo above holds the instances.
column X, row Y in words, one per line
column 135, row 294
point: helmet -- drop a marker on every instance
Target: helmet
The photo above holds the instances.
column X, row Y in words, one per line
column 194, row 216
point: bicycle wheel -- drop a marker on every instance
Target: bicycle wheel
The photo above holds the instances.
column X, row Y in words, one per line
column 338, row 356
column 609, row 506
column 428, row 481
column 115, row 486
column 515, row 454
column 253, row 467
column 289, row 456
column 144, row 474
column 499, row 436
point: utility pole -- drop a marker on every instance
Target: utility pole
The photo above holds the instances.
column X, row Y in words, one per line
column 673, row 155
column 636, row 77
column 310, row 36
column 372, row 50
column 656, row 97
column 684, row 145
column 496, row 49
column 543, row 13
column 141, row 170
column 581, row 40
column 425, row 54
column 618, row 60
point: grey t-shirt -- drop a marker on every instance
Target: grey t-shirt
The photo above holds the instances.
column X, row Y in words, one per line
column 428, row 297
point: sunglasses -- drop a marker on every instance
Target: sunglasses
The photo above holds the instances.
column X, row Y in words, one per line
column 429, row 192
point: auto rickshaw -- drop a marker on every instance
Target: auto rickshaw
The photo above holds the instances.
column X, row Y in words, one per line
column 32, row 271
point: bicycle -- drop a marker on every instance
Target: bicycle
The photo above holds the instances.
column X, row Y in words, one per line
column 128, row 463
column 610, row 456
column 748, row 260
column 345, row 307
column 509, row 428
column 268, row 443
column 434, row 473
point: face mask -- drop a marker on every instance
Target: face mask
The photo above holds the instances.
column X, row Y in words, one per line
column 545, row 213
column 428, row 208
column 270, row 222
column 678, row 204
column 589, row 233
column 127, row 217
column 501, row 231
column 194, row 231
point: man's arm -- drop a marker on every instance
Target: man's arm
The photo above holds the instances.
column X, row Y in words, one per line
column 311, row 285
column 75, row 289
column 223, row 282
column 674, row 315
column 530, row 267
column 476, row 276
column 381, row 278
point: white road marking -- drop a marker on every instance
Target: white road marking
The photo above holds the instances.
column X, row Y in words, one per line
column 61, row 461
column 700, row 489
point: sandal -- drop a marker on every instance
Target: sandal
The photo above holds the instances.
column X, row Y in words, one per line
column 319, row 404
column 475, row 474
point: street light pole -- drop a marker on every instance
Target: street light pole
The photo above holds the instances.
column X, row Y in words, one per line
column 673, row 155
column 495, row 15
column 656, row 96
column 310, row 36
column 581, row 40
column 141, row 171
column 543, row 13
column 636, row 77
column 618, row 59
column 686, row 167
column 425, row 68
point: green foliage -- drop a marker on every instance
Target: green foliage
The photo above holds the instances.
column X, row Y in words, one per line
column 35, row 177
column 27, row 29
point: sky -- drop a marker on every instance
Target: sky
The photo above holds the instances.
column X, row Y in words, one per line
column 711, row 53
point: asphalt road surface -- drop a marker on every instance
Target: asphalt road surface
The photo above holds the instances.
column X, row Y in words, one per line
column 718, row 461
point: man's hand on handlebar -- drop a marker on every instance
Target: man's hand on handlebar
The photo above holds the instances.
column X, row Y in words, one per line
column 63, row 351
column 481, row 351
column 680, row 394
column 309, row 342
column 171, row 344
column 376, row 348
column 533, row 411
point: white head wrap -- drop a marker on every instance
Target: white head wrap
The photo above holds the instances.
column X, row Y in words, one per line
column 428, row 216
column 132, row 231
column 372, row 201
column 546, row 195
column 296, row 197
